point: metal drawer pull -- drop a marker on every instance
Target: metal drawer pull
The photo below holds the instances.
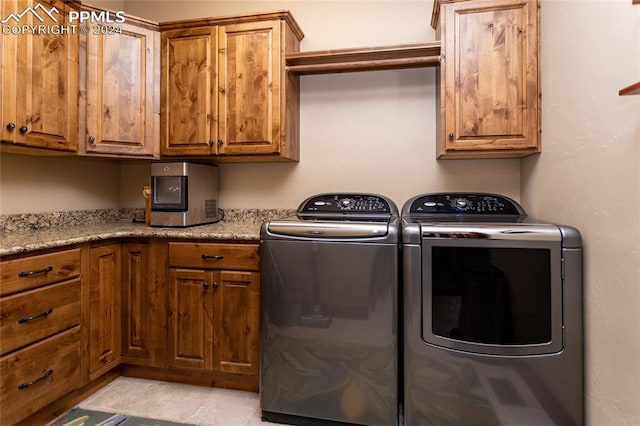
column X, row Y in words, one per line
column 34, row 381
column 40, row 315
column 215, row 256
column 37, row 271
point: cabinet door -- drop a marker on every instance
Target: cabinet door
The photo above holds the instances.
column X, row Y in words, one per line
column 135, row 300
column 190, row 319
column 188, row 97
column 237, row 322
column 104, row 308
column 249, row 84
column 122, row 112
column 490, row 86
column 40, row 78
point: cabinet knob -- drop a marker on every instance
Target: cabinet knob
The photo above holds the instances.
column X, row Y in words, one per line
column 220, row 143
column 451, row 136
column 215, row 285
column 206, row 285
column 211, row 142
column 24, row 129
column 92, row 140
column 11, row 126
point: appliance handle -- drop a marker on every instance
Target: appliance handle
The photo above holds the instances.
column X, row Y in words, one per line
column 317, row 229
column 520, row 232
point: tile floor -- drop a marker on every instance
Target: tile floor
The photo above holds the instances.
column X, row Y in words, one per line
column 177, row 402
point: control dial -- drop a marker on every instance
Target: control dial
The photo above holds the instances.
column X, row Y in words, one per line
column 461, row 204
column 347, row 203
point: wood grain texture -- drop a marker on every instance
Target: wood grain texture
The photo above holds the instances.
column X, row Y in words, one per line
column 104, row 309
column 121, row 93
column 364, row 59
column 249, row 118
column 188, row 102
column 489, row 83
column 46, row 80
column 249, row 88
column 53, row 309
column 234, row 256
column 31, row 271
column 135, row 300
column 190, row 318
column 236, row 322
column 59, row 354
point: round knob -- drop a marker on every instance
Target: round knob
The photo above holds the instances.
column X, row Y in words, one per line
column 211, row 142
column 220, row 143
column 11, row 126
column 451, row 136
column 347, row 203
column 206, row 285
column 215, row 285
column 92, row 140
column 24, row 129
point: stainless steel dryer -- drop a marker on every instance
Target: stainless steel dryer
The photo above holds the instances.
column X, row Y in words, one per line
column 492, row 314
column 329, row 318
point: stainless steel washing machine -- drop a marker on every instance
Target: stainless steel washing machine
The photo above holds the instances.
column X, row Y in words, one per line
column 492, row 314
column 329, row 313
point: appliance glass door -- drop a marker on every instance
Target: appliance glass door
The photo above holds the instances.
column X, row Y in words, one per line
column 493, row 297
column 169, row 193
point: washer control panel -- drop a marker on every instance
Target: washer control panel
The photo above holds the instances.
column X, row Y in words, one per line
column 465, row 203
column 346, row 203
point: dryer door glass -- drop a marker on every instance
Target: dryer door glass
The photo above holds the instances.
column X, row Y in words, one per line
column 493, row 299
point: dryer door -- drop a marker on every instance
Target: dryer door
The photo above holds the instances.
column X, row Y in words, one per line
column 492, row 296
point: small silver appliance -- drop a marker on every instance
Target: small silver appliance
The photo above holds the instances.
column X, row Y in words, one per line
column 183, row 193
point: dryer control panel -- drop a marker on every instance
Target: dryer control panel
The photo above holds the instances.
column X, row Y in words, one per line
column 346, row 203
column 465, row 203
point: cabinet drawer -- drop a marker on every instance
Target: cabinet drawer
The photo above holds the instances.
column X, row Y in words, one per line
column 39, row 374
column 213, row 256
column 35, row 271
column 33, row 315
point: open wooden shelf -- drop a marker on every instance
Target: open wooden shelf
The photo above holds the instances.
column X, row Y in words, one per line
column 634, row 89
column 364, row 59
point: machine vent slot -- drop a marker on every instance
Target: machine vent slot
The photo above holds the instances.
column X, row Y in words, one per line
column 210, row 209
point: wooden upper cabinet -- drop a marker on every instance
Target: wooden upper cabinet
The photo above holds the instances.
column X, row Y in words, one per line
column 249, row 82
column 225, row 91
column 189, row 101
column 489, row 78
column 123, row 102
column 39, row 79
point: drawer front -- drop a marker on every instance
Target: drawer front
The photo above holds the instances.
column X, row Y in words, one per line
column 35, row 271
column 214, row 256
column 33, row 315
column 39, row 374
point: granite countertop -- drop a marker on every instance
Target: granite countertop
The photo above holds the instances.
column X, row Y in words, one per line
column 243, row 226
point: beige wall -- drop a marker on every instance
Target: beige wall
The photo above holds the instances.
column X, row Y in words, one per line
column 48, row 184
column 588, row 177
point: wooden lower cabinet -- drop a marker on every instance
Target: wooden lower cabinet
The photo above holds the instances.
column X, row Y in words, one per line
column 104, row 309
column 236, row 322
column 135, row 301
column 33, row 377
column 213, row 320
column 190, row 319
column 213, row 314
